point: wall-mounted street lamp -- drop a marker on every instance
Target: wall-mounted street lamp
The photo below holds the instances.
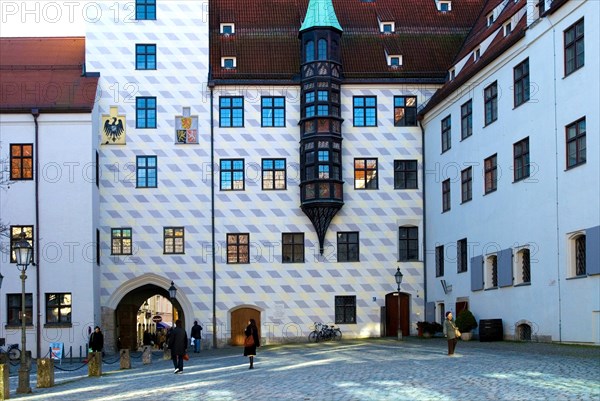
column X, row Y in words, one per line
column 398, row 276
column 23, row 252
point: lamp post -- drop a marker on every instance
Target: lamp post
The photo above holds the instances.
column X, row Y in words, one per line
column 172, row 296
column 398, row 277
column 23, row 252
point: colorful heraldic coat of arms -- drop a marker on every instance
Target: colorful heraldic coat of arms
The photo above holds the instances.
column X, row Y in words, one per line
column 186, row 129
column 112, row 128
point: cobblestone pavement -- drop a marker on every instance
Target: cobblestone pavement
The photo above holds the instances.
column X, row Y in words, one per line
column 352, row 370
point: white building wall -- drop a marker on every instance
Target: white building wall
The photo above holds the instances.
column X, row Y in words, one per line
column 65, row 261
column 538, row 211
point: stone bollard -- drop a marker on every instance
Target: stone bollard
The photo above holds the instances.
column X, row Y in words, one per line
column 45, row 373
column 125, row 359
column 167, row 354
column 147, row 355
column 95, row 364
column 4, row 383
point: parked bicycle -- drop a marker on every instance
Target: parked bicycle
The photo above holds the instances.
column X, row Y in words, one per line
column 323, row 332
column 13, row 352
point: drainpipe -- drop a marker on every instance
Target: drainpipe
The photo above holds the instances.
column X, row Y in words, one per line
column 36, row 113
column 211, row 86
column 423, row 169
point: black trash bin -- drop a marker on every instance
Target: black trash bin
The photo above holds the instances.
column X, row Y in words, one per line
column 490, row 330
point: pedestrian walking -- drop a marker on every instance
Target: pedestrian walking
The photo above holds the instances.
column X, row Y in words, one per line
column 196, row 334
column 451, row 333
column 251, row 342
column 178, row 341
column 97, row 340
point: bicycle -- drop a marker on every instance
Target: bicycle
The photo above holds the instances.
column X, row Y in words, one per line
column 323, row 332
column 13, row 352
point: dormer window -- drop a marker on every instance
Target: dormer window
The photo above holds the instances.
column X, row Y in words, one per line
column 507, row 28
column 227, row 29
column 228, row 62
column 444, row 6
column 387, row 27
column 490, row 19
column 452, row 74
column 394, row 61
column 477, row 54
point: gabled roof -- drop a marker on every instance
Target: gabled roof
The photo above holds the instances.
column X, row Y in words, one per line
column 267, row 47
column 47, row 74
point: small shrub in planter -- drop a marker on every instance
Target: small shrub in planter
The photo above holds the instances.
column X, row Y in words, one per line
column 429, row 328
column 465, row 321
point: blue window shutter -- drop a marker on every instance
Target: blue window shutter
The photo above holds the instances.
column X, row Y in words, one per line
column 430, row 312
column 477, row 273
column 592, row 250
column 505, row 273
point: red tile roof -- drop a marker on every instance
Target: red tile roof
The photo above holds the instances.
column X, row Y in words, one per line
column 45, row 74
column 266, row 44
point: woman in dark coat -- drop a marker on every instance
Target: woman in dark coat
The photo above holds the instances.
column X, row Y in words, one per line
column 250, row 351
column 97, row 340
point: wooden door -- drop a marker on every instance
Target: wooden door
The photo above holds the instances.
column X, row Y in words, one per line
column 239, row 321
column 391, row 319
column 127, row 322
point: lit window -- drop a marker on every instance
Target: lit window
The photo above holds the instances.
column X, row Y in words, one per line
column 227, row 29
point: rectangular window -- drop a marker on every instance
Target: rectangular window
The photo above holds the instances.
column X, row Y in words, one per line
column 365, row 174
column 491, row 103
column 13, row 309
column 16, row 234
column 574, row 47
column 21, row 161
column 273, row 111
column 273, row 174
column 145, row 57
column 491, row 173
column 523, row 266
column 120, row 239
column 446, row 134
column 365, row 111
column 405, row 111
column 580, row 256
column 146, row 172
column 521, row 83
column 466, row 119
column 232, row 174
column 466, row 184
column 345, row 309
column 145, row 112
column 238, row 248
column 347, row 247
column 491, row 269
column 145, row 9
column 408, row 244
column 231, row 111
column 446, row 195
column 405, row 174
column 174, row 240
column 521, row 159
column 293, row 248
column 439, row 261
column 58, row 308
column 462, row 257
column 576, row 146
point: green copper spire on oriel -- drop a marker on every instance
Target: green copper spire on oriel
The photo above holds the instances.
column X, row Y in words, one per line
column 320, row 13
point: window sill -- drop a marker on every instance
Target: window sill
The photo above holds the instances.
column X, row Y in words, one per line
column 491, row 288
column 520, row 179
column 462, row 271
column 11, row 326
column 58, row 325
column 466, row 201
column 577, row 277
column 574, row 166
column 490, row 192
column 523, row 284
column 490, row 123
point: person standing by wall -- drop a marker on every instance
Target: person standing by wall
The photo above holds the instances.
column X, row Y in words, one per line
column 196, row 334
column 450, row 333
column 252, row 341
column 97, row 340
column 178, row 341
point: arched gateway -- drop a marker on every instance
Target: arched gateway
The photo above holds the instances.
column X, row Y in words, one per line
column 119, row 314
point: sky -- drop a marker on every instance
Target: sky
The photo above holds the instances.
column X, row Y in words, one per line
column 46, row 17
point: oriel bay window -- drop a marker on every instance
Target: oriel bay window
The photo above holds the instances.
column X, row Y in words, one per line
column 321, row 170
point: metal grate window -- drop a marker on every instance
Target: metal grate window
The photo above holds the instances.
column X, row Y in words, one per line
column 526, row 265
column 580, row 268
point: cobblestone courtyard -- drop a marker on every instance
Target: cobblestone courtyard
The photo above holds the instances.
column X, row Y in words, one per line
column 353, row 370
